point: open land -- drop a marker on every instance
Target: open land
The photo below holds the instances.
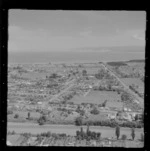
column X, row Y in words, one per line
column 62, row 98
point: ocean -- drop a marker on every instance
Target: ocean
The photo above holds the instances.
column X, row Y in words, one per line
column 73, row 56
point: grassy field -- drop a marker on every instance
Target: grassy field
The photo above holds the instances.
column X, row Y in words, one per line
column 23, row 115
column 98, row 97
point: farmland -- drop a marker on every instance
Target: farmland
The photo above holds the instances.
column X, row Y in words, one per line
column 49, row 95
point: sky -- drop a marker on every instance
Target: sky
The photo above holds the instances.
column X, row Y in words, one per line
column 59, row 30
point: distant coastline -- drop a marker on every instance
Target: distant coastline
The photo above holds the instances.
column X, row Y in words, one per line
column 73, row 57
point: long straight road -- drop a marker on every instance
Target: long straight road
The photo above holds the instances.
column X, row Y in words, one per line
column 70, row 83
column 141, row 101
column 68, row 129
column 66, row 89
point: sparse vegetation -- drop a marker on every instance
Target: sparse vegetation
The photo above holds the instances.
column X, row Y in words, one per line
column 85, row 94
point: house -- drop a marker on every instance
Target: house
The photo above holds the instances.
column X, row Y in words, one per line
column 39, row 103
column 112, row 116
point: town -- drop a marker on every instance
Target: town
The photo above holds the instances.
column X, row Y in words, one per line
column 76, row 104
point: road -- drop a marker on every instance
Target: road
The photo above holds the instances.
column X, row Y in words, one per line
column 141, row 101
column 70, row 83
column 68, row 129
column 66, row 89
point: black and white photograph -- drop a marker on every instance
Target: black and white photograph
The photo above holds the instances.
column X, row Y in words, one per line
column 76, row 78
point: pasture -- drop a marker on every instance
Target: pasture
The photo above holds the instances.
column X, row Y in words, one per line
column 98, row 97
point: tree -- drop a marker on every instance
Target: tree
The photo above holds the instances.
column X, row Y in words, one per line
column 28, row 115
column 16, row 116
column 133, row 133
column 104, row 103
column 42, row 120
column 78, row 121
column 98, row 135
column 124, row 137
column 87, row 131
column 101, row 73
column 125, row 96
column 82, row 132
column 54, row 75
column 95, row 111
column 136, row 117
column 78, row 134
column 117, row 132
column 84, row 72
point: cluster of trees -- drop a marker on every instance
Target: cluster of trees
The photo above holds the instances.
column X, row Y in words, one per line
column 80, row 111
column 11, row 133
column 95, row 111
column 129, row 100
column 84, row 72
column 103, row 104
column 27, row 135
column 68, row 97
column 111, row 123
column 117, row 63
column 134, row 88
column 88, row 135
column 79, row 121
column 125, row 96
column 101, row 74
column 16, row 116
column 42, row 120
column 124, row 137
column 53, row 76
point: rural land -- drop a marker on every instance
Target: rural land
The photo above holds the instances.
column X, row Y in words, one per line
column 76, row 104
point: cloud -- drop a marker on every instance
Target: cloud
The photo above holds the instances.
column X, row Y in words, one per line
column 22, row 39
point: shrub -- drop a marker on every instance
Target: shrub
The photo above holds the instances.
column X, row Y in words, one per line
column 16, row 116
column 42, row 120
column 95, row 111
column 104, row 103
column 78, row 121
column 11, row 133
column 84, row 72
column 47, row 134
column 124, row 137
column 27, row 135
column 78, row 134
